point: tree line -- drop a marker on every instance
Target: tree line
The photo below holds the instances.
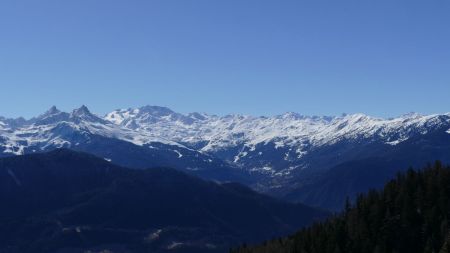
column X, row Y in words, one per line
column 410, row 215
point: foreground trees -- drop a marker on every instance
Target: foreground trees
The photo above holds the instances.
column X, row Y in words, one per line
column 410, row 215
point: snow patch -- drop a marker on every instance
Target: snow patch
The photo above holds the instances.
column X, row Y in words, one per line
column 179, row 154
column 393, row 143
column 14, row 148
column 154, row 236
column 267, row 168
column 300, row 153
column 175, row 245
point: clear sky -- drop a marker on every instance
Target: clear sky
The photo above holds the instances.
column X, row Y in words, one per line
column 382, row 58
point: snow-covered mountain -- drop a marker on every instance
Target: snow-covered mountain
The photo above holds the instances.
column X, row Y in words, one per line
column 275, row 144
column 282, row 155
column 85, row 131
column 303, row 158
column 57, row 129
column 290, row 129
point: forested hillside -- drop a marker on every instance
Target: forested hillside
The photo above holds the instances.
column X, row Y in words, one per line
column 67, row 201
column 410, row 215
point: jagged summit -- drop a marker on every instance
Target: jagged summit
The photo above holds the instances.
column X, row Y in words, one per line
column 51, row 116
column 280, row 147
column 52, row 110
column 84, row 114
column 83, row 110
column 238, row 137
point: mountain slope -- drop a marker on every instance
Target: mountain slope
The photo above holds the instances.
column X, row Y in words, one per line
column 81, row 130
column 330, row 189
column 280, row 144
column 290, row 155
column 300, row 157
column 410, row 215
column 65, row 200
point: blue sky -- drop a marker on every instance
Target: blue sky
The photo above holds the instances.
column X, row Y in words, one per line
column 382, row 58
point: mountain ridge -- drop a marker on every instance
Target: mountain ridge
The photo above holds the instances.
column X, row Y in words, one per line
column 276, row 155
column 68, row 201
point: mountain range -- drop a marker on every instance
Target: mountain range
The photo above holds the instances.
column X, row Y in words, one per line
column 317, row 160
column 67, row 201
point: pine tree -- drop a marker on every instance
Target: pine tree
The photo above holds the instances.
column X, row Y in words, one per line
column 410, row 215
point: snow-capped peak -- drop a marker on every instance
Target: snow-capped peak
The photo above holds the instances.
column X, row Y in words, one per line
column 411, row 115
column 135, row 118
column 61, row 129
column 289, row 129
column 53, row 110
column 238, row 135
column 82, row 111
column 156, row 110
column 83, row 114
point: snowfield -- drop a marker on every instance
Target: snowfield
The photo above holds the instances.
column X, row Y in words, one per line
column 275, row 146
column 290, row 129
